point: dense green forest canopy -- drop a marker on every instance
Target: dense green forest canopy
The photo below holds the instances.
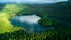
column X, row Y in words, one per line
column 60, row 11
column 57, row 11
column 57, row 14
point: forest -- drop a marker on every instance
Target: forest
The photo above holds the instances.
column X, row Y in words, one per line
column 55, row 15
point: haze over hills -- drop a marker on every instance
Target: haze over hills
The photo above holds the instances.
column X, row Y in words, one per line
column 31, row 1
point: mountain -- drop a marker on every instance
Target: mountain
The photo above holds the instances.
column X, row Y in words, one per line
column 59, row 11
column 58, row 14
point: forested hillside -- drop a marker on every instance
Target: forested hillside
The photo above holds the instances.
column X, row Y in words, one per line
column 52, row 15
column 61, row 12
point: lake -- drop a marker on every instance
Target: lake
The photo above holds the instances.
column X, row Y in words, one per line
column 29, row 22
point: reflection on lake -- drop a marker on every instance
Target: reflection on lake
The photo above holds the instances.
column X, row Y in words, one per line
column 29, row 22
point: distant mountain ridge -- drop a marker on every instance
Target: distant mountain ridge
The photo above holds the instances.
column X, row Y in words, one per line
column 59, row 9
column 29, row 2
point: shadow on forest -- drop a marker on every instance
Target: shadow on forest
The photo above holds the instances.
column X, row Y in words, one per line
column 2, row 7
column 13, row 35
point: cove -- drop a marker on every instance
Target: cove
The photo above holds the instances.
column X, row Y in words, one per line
column 29, row 22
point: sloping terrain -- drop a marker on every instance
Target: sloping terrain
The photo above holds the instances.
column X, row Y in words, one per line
column 57, row 14
column 7, row 13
